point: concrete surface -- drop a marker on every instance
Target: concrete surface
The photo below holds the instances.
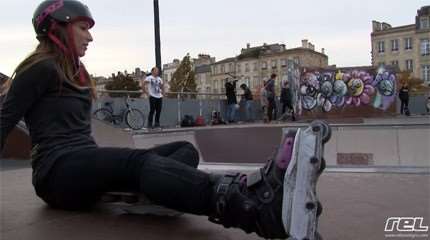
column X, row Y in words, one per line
column 356, row 206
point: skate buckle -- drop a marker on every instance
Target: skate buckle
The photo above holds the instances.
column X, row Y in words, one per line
column 253, row 178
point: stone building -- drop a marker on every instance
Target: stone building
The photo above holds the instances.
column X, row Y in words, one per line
column 255, row 64
column 407, row 46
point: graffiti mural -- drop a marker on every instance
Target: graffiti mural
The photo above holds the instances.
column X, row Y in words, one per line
column 330, row 89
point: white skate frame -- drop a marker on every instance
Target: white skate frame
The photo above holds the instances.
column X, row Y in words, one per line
column 299, row 210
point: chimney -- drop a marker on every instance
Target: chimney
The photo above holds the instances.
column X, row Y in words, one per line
column 376, row 26
column 248, row 45
column 311, row 46
column 322, row 50
column 385, row 26
column 304, row 43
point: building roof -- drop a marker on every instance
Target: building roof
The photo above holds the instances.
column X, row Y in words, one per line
column 226, row 60
column 300, row 49
column 203, row 69
column 404, row 28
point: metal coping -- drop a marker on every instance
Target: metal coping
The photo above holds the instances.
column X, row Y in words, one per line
column 334, row 126
column 244, row 167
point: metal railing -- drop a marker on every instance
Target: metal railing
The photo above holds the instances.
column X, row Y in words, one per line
column 180, row 97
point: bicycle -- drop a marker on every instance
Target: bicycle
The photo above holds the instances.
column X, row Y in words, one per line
column 133, row 117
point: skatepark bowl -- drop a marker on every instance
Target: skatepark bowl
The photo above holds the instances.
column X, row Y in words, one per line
column 375, row 171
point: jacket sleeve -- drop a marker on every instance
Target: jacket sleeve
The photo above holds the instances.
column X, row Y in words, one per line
column 26, row 88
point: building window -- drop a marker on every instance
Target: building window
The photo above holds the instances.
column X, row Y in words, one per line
column 408, row 43
column 409, row 65
column 255, row 81
column 222, row 68
column 274, row 63
column 230, row 67
column 425, row 47
column 246, row 67
column 395, row 45
column 264, row 65
column 297, row 60
column 238, row 67
column 248, row 82
column 381, row 64
column 255, row 66
column 425, row 73
column 381, row 46
column 424, row 23
column 283, row 62
column 395, row 63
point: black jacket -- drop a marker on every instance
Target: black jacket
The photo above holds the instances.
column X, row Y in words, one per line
column 230, row 92
column 58, row 122
column 404, row 93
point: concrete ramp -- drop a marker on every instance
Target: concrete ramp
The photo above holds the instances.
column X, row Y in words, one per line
column 351, row 145
column 108, row 136
column 18, row 143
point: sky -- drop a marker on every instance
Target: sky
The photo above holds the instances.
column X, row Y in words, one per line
column 124, row 31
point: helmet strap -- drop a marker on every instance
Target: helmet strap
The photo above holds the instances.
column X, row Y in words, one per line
column 55, row 39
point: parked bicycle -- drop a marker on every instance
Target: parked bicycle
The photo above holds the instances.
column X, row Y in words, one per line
column 133, row 117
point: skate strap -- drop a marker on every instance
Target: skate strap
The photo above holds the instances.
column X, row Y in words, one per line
column 263, row 187
column 253, row 178
column 222, row 190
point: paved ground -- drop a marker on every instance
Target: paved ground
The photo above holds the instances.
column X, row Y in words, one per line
column 356, row 206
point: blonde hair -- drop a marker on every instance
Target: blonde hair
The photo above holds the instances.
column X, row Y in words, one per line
column 66, row 69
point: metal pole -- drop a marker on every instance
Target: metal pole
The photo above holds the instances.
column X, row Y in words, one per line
column 157, row 36
column 179, row 109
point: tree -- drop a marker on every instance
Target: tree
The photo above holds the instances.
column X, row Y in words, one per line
column 183, row 79
column 416, row 85
column 123, row 82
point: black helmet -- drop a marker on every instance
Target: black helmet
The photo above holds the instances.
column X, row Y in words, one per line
column 63, row 11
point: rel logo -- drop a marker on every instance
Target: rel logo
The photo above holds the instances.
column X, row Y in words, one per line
column 405, row 224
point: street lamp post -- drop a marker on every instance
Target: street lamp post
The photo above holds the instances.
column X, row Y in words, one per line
column 157, row 36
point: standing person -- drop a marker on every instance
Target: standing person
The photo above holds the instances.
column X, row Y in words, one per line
column 404, row 99
column 247, row 98
column 155, row 86
column 71, row 172
column 271, row 96
column 428, row 105
column 263, row 102
column 230, row 92
column 287, row 99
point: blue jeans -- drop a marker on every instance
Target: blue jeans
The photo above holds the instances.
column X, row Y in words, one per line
column 248, row 111
column 231, row 112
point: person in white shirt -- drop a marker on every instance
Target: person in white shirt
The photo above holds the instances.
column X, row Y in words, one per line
column 153, row 86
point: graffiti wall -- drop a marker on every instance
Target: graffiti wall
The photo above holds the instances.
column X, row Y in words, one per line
column 326, row 90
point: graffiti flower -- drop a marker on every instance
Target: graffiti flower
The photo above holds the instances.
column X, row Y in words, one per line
column 385, row 83
column 339, row 90
column 309, row 89
column 359, row 87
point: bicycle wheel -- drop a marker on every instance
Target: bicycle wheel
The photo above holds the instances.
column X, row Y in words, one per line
column 134, row 119
column 104, row 115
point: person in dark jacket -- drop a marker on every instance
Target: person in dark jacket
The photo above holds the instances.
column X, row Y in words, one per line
column 230, row 92
column 53, row 91
column 271, row 97
column 287, row 99
column 247, row 99
column 404, row 99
